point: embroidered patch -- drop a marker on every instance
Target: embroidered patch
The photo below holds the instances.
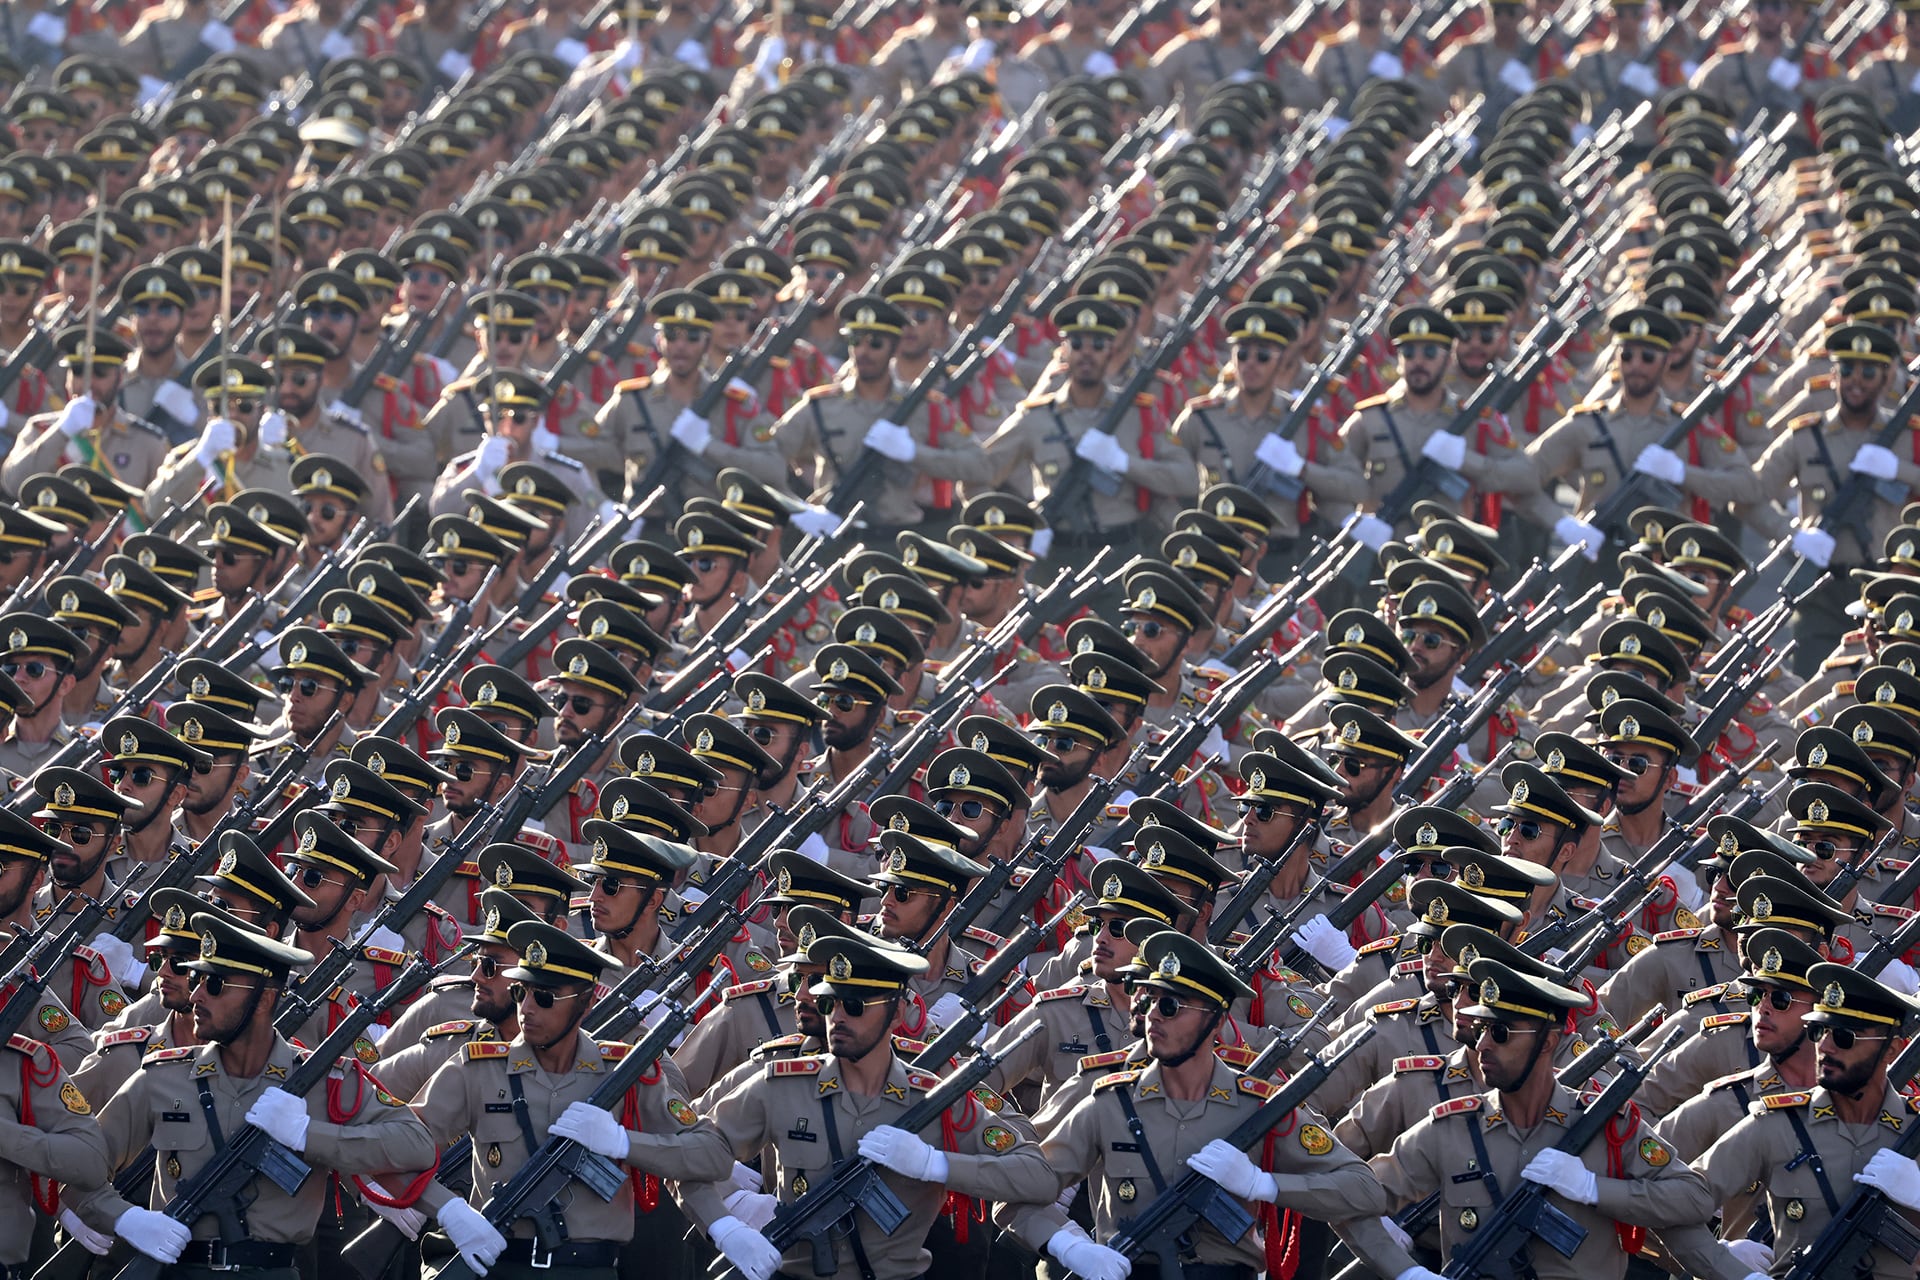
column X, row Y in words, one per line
column 680, row 1111
column 997, row 1139
column 53, row 1019
column 1653, row 1153
column 75, row 1101
column 1316, row 1140
column 112, row 1002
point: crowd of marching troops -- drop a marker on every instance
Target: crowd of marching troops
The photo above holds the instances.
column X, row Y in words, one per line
column 954, row 640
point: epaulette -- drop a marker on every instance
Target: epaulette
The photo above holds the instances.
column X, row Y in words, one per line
column 1723, row 1082
column 1255, row 1087
column 798, row 1067
column 1060, row 993
column 922, row 1080
column 1455, row 1107
column 126, row 1035
column 486, row 1049
column 1210, row 401
column 1407, row 967
column 27, row 1045
column 1589, row 406
column 1678, row 935
column 1378, row 945
column 825, row 391
column 1780, row 1102
column 912, row 1048
column 1095, row 1061
column 747, row 989
column 1704, row 993
column 383, row 955
column 1372, row 402
column 1393, row 1006
column 640, row 383
column 1117, row 1077
column 1804, row 421
column 614, row 1051
column 1424, row 1062
column 186, row 1052
column 1719, row 1020
column 1235, row 1055
column 458, row 1027
column 977, row 934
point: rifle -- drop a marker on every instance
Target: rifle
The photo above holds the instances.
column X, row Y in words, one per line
column 593, row 546
column 1868, row 1221
column 452, row 649
column 1460, row 722
column 1850, row 510
column 1255, row 884
column 987, row 989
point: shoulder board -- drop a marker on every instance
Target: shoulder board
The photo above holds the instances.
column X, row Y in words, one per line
column 1705, row 993
column 615, row 1051
column 640, row 383
column 1678, row 935
column 1212, row 401
column 1804, row 421
column 1254, row 1086
column 183, row 1054
column 126, row 1035
column 1783, row 1101
column 1144, row 400
column 1235, row 1055
column 382, row 955
column 459, row 1026
column 922, row 1080
column 86, row 954
column 486, row 1049
column 747, row 989
column 1379, row 945
column 977, row 934
column 27, row 1045
column 781, row 1042
column 912, row 1048
column 1394, row 1006
column 1094, row 1061
column 1719, row 1020
column 1061, row 993
column 1406, row 967
column 1723, row 1082
column 1371, row 402
column 798, row 1066
column 1455, row 1107
column 1116, row 1078
column 1424, row 1062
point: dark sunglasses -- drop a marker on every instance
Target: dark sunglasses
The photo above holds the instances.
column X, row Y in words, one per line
column 1422, row 944
column 704, row 564
column 23, row 290
column 1259, row 353
column 873, row 342
column 611, row 885
column 1170, row 1006
column 1633, row 354
column 308, row 686
column 154, row 308
column 498, row 335
column 542, row 996
column 1060, row 743
column 79, row 835
column 1527, row 827
column 1141, row 627
column 1347, row 762
column 1845, row 1037
column 142, row 774
column 369, row 652
column 232, row 558
column 242, row 404
column 1085, row 342
column 34, row 668
column 965, row 808
column 854, row 1006
column 838, row 701
column 1501, row 1032
column 1116, row 926
column 1634, row 764
column 462, row 770
column 458, row 568
column 325, row 510
column 486, row 966
column 582, row 705
column 159, row 958
column 1779, row 998
column 1424, row 639
column 1826, row 850
column 216, row 984
column 1859, row 369
column 761, row 734
column 902, row 894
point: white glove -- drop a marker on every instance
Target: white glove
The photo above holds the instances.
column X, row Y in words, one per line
column 1387, row 66
column 1278, row 452
column 1419, row 1273
column 153, row 90
column 815, row 848
column 1876, row 461
column 1785, row 74
column 946, row 1011
column 5, row 417
column 692, row 431
column 1074, row 1250
column 281, row 1116
column 753, row 1208
column 815, row 522
column 1689, row 69
column 269, row 650
column 1895, row 1175
column 1814, row 544
column 90, row 1240
column 1103, row 451
column 152, row 1233
column 336, row 45
column 1229, row 1166
column 1040, row 543
column 1558, row 1171
column 1752, row 1253
column 1100, row 63
column 47, row 29
column 1394, row 1233
column 744, row 1246
column 979, row 54
column 626, row 56
column 387, row 940
column 693, row 54
column 478, row 1244
column 218, row 36
column 1687, row 885
column 905, row 1154
column 494, row 453
column 1899, row 975
column 120, row 959
column 1516, row 77
column 1319, row 939
column 594, row 1128
column 1445, row 448
column 410, row 1221
column 570, row 51
column 178, row 402
column 453, row 64
column 1373, row 532
column 217, row 437
column 1577, row 532
column 346, row 413
column 76, row 417
column 544, row 442
column 890, row 440
column 1640, row 78
column 745, row 1178
column 765, row 65
column 1337, row 125
column 1661, row 464
column 273, row 428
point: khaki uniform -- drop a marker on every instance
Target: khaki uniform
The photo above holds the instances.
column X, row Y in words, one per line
column 181, row 475
column 1032, row 452
column 1395, row 1103
column 117, row 1055
column 911, row 57
column 463, row 472
column 1221, row 436
column 1421, row 1027
column 1593, row 449
column 1076, row 1021
column 127, row 450
column 749, row 1015
column 158, row 41
column 1811, row 460
column 406, row 1072
column 1193, row 62
column 354, row 444
column 61, row 1143
column 821, row 437
column 1339, row 67
column 1723, row 1046
column 1680, row 962
column 1739, row 78
column 158, row 1107
column 639, row 420
column 1697, row 1124
column 1382, row 439
column 137, row 392
column 799, row 1112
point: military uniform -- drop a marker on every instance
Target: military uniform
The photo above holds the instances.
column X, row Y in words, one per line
column 636, row 421
column 1679, row 963
column 126, row 449
column 1594, row 448
column 821, row 436
column 1383, row 438
column 181, row 475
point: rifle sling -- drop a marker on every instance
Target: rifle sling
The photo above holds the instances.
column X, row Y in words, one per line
column 1139, row 1131
column 831, row 1124
column 214, row 1131
column 1399, row 441
column 1486, row 1165
column 1810, row 1156
column 1612, row 446
column 1101, row 1040
column 1839, row 482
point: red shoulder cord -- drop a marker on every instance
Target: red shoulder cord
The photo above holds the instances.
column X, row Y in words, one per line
column 83, row 978
column 1631, row 1238
column 338, row 1113
column 582, row 803
column 961, row 1210
column 937, row 423
column 1279, row 1228
column 646, row 1187
column 1697, row 506
column 46, row 1192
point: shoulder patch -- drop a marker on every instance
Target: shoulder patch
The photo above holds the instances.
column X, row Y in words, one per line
column 1588, row 406
column 1060, row 993
column 1705, row 993
column 459, row 1026
column 1423, row 1062
column 1371, row 402
column 1116, row 1078
column 1678, row 935
column 797, row 1067
column 381, row 955
column 486, row 1049
column 1235, row 1055
column 1254, row 1086
column 1725, row 1081
column 1782, row 1101
column 1095, row 1061
column 747, row 989
column 1804, row 421
column 126, row 1035
column 1455, row 1107
column 922, row 1080
column 185, row 1053
column 1393, row 1006
column 1379, row 945
column 615, row 1051
column 27, row 1045
column 1719, row 1020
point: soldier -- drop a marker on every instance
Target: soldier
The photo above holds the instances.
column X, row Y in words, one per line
column 592, row 692
column 39, row 659
column 118, row 1051
column 90, row 429
column 1686, row 960
column 232, row 452
column 317, row 679
column 920, row 883
column 212, row 789
column 509, row 406
column 297, row 359
column 1772, row 69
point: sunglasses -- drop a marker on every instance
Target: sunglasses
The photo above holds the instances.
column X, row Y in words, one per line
column 296, row 379
column 1827, row 850
column 1859, row 369
column 1263, row 353
column 1424, row 639
column 160, row 958
column 1263, row 811
column 1431, row 868
column 901, row 894
column 231, row 558
column 307, row 686
column 486, row 966
column 243, row 404
column 141, row 774
column 1845, row 1037
column 873, row 342
column 1527, row 827
column 582, row 705
column 611, row 885
column 459, row 568
column 1347, row 762
column 704, row 564
column 462, row 770
column 216, row 984
column 1082, row 342
column 325, row 510
column 1116, row 926
column 1501, row 1032
column 761, row 734
column 33, row 668
column 838, row 701
column 853, row 1006
column 1060, row 743
column 23, row 290
column 1641, row 355
column 1634, row 764
column 507, row 335
column 369, row 652
column 519, row 417
column 1422, row 944
column 154, row 308
column 1141, row 627
column 309, row 877
column 542, row 996
column 681, row 333
column 76, row 834
column 1780, row 999
column 965, row 808
column 1170, row 1006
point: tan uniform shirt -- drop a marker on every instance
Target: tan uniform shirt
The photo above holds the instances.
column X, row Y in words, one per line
column 1680, row 962
column 1032, row 453
column 1811, row 459
column 640, row 417
column 821, row 437
column 62, row 1143
column 128, row 451
column 181, row 475
column 1594, row 448
column 1383, row 437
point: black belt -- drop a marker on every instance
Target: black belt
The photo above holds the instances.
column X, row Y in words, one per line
column 1199, row 1271
column 589, row 1253
column 218, row 1255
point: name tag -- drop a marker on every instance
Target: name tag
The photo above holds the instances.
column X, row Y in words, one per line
column 801, row 1135
column 176, row 1117
column 1126, row 1146
column 503, row 1108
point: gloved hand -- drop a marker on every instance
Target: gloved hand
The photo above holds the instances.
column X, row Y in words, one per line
column 76, row 417
column 90, row 1240
column 495, row 451
column 1278, row 452
column 904, row 1153
column 1558, row 1171
column 745, row 1248
column 1419, row 1273
column 1785, row 74
column 154, row 1234
column 1638, row 77
column 1876, row 461
column 1899, row 975
column 1577, row 532
column 1373, row 532
column 815, row 522
column 694, row 54
column 1445, row 448
column 474, row 1238
column 626, row 55
column 1394, row 1233
column 594, row 1128
column 346, row 413
column 385, row 938
column 269, row 650
column 47, row 29
column 123, row 964
column 218, row 36
column 693, row 432
column 544, row 442
column 815, row 848
column 1103, row 451
column 1661, row 464
column 745, row 1178
column 409, row 1220
column 273, row 428
column 1238, row 1175
column 890, row 440
column 1516, row 77
column 5, row 417
column 946, row 1011
column 979, row 55
column 1319, row 939
column 282, row 1116
column 1073, row 1249
column 154, row 90
column 217, row 437
column 570, row 51
column 1100, row 63
column 1754, row 1254
column 1815, row 545
column 453, row 64
column 753, row 1208
column 766, row 66
column 1040, row 543
column 178, row 402
column 1687, row 885
column 1386, row 66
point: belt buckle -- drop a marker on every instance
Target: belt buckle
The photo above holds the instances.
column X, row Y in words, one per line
column 537, row 1260
column 217, row 1257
